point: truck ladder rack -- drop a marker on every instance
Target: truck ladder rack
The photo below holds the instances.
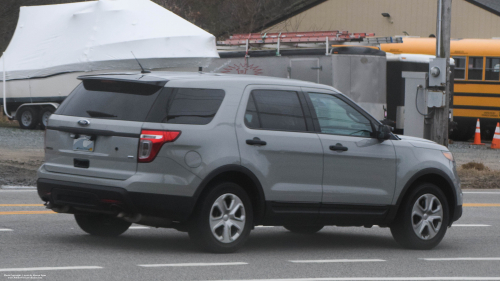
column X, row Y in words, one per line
column 294, row 37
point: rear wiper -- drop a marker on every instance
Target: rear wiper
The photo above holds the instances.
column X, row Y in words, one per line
column 99, row 114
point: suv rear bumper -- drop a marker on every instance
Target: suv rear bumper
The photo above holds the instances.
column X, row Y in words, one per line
column 82, row 197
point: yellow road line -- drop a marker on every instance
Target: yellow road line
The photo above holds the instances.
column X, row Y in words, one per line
column 21, row 205
column 52, row 212
column 482, row 205
column 27, row 213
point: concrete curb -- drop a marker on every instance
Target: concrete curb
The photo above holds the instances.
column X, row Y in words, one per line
column 16, row 187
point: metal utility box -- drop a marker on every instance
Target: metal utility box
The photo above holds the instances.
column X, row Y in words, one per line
column 396, row 65
column 397, row 90
column 436, row 98
column 416, row 109
column 437, row 72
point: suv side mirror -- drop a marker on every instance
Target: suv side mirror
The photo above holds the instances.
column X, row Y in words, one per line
column 384, row 132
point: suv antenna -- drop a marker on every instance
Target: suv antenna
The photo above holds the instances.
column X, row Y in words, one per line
column 142, row 68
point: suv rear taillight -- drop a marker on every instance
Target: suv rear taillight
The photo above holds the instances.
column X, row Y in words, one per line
column 151, row 143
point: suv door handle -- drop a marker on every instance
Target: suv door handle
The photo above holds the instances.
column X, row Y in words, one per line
column 338, row 147
column 256, row 141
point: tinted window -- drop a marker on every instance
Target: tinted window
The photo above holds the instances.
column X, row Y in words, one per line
column 186, row 106
column 275, row 110
column 110, row 100
column 251, row 115
column 339, row 118
column 475, row 68
column 459, row 67
column 492, row 69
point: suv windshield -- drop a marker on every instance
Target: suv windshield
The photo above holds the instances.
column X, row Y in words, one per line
column 107, row 99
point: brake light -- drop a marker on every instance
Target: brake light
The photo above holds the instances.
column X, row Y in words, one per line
column 151, row 143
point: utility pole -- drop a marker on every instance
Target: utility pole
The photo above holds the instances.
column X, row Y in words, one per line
column 439, row 128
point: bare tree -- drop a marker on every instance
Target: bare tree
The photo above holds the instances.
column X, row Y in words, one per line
column 219, row 17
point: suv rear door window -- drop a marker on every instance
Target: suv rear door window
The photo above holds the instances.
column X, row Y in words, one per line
column 275, row 110
column 187, row 106
column 108, row 99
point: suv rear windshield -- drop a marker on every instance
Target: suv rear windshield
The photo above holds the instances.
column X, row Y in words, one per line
column 109, row 99
column 186, row 106
column 129, row 101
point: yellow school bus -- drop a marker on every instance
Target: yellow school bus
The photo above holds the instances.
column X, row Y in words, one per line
column 476, row 83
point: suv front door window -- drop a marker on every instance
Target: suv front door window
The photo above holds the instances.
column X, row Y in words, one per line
column 338, row 118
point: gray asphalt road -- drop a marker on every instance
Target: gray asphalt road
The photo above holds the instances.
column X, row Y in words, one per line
column 54, row 242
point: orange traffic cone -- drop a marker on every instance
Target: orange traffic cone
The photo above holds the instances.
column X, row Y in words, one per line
column 477, row 136
column 495, row 143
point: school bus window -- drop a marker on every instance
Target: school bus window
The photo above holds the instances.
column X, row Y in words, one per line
column 492, row 69
column 475, row 68
column 459, row 67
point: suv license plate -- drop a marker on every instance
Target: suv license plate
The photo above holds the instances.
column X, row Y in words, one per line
column 83, row 143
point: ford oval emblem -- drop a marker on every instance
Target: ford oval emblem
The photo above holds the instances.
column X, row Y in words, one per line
column 84, row 122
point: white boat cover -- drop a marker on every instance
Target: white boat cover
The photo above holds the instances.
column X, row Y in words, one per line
column 101, row 35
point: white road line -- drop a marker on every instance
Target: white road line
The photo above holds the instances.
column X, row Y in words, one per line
column 460, row 259
column 458, row 278
column 49, row 268
column 139, row 227
column 262, row 226
column 193, row 264
column 5, row 229
column 339, row 260
column 476, row 225
column 18, row 187
column 479, row 192
column 18, row 190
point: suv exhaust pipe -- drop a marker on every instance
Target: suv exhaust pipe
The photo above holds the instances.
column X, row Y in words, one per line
column 130, row 218
column 57, row 209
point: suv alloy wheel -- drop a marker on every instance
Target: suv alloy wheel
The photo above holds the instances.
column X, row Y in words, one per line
column 422, row 219
column 224, row 219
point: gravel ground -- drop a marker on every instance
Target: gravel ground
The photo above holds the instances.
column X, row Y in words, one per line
column 465, row 153
column 21, row 153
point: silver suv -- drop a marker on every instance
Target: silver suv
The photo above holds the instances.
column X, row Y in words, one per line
column 216, row 155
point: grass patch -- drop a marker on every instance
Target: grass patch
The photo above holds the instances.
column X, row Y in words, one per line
column 474, row 166
column 477, row 175
column 5, row 122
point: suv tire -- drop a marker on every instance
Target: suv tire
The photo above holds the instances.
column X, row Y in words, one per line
column 223, row 220
column 304, row 229
column 101, row 225
column 422, row 219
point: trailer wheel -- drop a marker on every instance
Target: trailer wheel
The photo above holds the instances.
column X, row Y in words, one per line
column 44, row 116
column 27, row 117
